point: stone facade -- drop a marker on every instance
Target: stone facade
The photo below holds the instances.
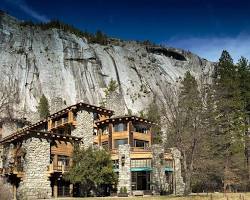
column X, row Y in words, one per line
column 158, row 174
column 124, row 167
column 115, row 102
column 35, row 183
column 56, row 104
column 179, row 185
column 84, row 127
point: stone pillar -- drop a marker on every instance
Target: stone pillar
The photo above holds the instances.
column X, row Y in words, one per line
column 84, row 128
column 116, row 103
column 179, row 185
column 124, row 179
column 35, row 183
column 158, row 174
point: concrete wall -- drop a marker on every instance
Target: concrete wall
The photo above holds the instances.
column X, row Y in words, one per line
column 84, row 127
column 124, row 170
column 35, row 183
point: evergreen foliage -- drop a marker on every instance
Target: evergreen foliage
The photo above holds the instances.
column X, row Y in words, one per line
column 98, row 37
column 91, row 168
column 43, row 107
column 153, row 114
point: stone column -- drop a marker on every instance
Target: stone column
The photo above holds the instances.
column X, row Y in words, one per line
column 84, row 128
column 35, row 183
column 158, row 174
column 179, row 185
column 115, row 102
column 124, row 167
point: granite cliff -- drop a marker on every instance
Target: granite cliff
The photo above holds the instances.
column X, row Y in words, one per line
column 59, row 64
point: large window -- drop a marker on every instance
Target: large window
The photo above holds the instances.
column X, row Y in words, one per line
column 120, row 127
column 141, row 143
column 141, row 163
column 120, row 142
column 140, row 128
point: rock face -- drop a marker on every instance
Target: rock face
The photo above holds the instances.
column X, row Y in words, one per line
column 59, row 64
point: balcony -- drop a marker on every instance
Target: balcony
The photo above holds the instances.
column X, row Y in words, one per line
column 140, row 149
column 16, row 170
column 58, row 168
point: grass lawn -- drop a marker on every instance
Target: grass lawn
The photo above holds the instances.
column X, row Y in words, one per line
column 215, row 196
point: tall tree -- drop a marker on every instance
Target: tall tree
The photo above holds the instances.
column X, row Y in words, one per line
column 43, row 107
column 187, row 125
column 228, row 135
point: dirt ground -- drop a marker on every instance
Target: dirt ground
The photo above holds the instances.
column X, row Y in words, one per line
column 210, row 196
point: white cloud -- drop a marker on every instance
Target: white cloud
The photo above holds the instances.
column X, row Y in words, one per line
column 211, row 47
column 22, row 5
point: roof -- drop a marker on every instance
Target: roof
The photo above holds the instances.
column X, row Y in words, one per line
column 37, row 133
column 79, row 106
column 127, row 118
column 82, row 106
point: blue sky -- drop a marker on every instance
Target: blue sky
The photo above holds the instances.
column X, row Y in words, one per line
column 201, row 26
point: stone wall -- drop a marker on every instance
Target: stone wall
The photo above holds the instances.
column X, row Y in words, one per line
column 158, row 174
column 115, row 102
column 124, row 179
column 35, row 183
column 179, row 185
column 56, row 104
column 84, row 127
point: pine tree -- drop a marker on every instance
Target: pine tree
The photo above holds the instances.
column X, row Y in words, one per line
column 43, row 107
column 229, row 125
column 187, row 126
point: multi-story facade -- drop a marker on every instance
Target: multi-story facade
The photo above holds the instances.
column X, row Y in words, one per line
column 34, row 158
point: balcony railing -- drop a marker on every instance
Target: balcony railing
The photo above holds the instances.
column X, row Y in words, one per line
column 140, row 149
column 60, row 122
column 58, row 168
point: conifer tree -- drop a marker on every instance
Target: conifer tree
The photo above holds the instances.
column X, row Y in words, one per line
column 228, row 135
column 43, row 107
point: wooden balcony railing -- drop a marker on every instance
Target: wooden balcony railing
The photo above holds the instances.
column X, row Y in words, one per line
column 58, row 168
column 140, row 149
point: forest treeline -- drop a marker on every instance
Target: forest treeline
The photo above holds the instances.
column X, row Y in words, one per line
column 208, row 121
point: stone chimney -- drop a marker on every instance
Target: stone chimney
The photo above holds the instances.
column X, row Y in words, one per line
column 115, row 102
column 56, row 104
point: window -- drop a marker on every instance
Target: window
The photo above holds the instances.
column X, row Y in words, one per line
column 120, row 127
column 141, row 143
column 63, row 160
column 120, row 142
column 141, row 163
column 141, row 128
column 96, row 116
column 115, row 164
column 104, row 130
